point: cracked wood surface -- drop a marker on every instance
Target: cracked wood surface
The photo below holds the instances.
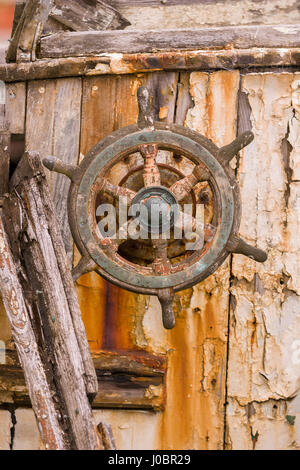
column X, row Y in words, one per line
column 52, row 329
column 76, row 44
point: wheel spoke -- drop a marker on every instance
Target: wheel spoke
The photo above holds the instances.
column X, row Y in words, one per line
column 183, row 187
column 111, row 245
column 207, row 231
column 118, row 191
column 151, row 172
column 161, row 264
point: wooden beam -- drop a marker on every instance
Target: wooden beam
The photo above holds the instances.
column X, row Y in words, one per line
column 79, row 15
column 157, row 3
column 228, row 59
column 19, row 7
column 28, row 30
column 49, row 294
column 22, row 331
column 127, row 380
column 133, row 42
column 4, row 142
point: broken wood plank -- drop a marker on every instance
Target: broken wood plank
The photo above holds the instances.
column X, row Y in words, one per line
column 19, row 7
column 245, row 59
column 130, row 362
column 94, row 15
column 77, row 44
column 127, row 380
column 18, row 312
column 47, row 286
column 28, row 30
column 58, row 105
column 106, row 436
column 155, row 3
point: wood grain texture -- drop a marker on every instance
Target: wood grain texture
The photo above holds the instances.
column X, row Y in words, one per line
column 19, row 316
column 109, row 313
column 127, row 3
column 28, row 30
column 127, row 380
column 197, row 345
column 56, row 105
column 94, row 15
column 4, row 142
column 239, row 37
column 48, row 288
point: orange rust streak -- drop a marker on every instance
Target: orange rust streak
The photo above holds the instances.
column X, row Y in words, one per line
column 117, row 331
column 91, row 295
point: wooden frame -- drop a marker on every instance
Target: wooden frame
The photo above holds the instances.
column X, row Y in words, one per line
column 135, row 42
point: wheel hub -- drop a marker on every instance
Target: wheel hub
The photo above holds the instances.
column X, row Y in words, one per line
column 158, row 209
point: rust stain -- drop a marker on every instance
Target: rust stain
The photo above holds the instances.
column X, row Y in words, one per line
column 119, row 319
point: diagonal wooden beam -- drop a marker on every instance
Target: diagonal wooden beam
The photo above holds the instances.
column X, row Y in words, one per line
column 46, row 302
column 27, row 348
column 28, row 30
column 4, row 142
column 89, row 43
column 94, row 15
column 33, row 16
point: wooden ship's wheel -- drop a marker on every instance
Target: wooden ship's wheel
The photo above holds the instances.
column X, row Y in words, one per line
column 158, row 263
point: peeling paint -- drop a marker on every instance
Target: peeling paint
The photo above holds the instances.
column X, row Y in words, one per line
column 265, row 320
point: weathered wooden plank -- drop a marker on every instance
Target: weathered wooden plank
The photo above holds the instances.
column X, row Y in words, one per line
column 127, row 380
column 15, row 107
column 191, row 14
column 263, row 369
column 163, row 89
column 123, row 3
column 136, row 63
column 94, row 15
column 26, row 345
column 48, row 287
column 4, row 142
column 239, row 37
column 57, row 105
column 28, row 30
